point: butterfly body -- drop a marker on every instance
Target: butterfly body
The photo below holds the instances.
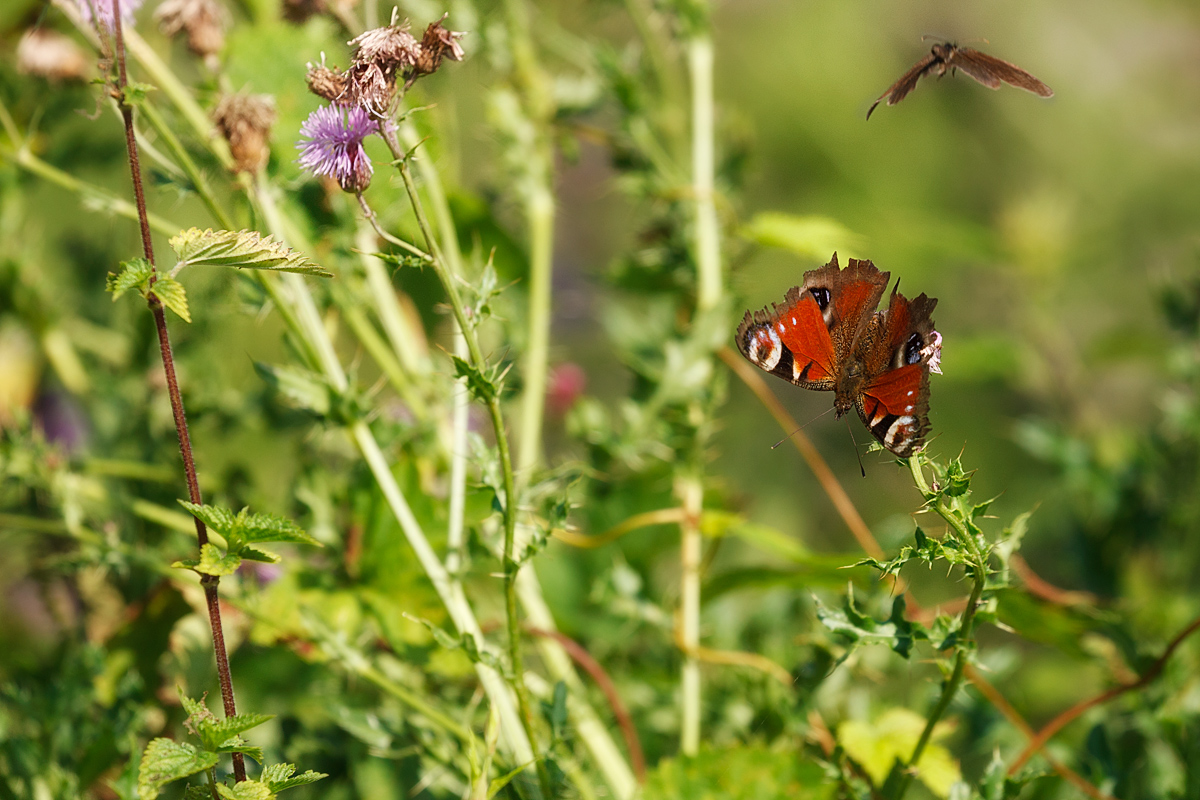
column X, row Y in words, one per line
column 986, row 69
column 829, row 336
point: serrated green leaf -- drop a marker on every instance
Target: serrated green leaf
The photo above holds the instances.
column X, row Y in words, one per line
column 253, row 751
column 219, row 519
column 246, row 790
column 213, row 562
column 241, row 250
column 135, row 93
column 282, row 776
column 217, row 733
column 165, row 760
column 481, row 387
column 173, row 296
column 302, row 388
column 264, row 527
column 256, row 554
column 134, row 274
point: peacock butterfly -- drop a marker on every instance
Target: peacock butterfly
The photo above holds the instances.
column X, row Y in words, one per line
column 988, row 70
column 828, row 336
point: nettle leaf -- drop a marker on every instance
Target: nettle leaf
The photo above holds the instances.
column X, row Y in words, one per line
column 244, row 528
column 219, row 733
column 212, row 562
column 135, row 93
column 282, row 776
column 264, row 527
column 482, row 387
column 134, row 274
column 165, row 760
column 239, row 745
column 255, row 554
column 219, row 519
column 857, row 629
column 173, row 296
column 241, row 250
column 246, row 790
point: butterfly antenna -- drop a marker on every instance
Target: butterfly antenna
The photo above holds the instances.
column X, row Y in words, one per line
column 853, row 441
column 802, row 427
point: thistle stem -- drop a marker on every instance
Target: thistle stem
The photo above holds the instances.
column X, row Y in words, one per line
column 511, row 566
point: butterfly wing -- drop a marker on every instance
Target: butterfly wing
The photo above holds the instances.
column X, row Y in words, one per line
column 898, row 352
column 990, row 71
column 805, row 340
column 908, row 81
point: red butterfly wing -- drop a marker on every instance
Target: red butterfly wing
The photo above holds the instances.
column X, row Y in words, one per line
column 895, row 406
column 898, row 353
column 791, row 341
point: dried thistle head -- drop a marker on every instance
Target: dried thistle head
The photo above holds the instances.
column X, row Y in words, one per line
column 245, row 121
column 438, row 42
column 392, row 47
column 328, row 83
column 50, row 55
column 204, row 21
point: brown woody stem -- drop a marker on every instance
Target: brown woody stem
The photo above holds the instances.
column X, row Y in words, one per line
column 209, row 582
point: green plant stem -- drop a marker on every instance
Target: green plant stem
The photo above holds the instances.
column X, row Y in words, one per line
column 708, row 244
column 539, row 210
column 689, row 487
column 587, row 723
column 309, row 327
column 900, row 781
column 511, row 566
column 949, row 688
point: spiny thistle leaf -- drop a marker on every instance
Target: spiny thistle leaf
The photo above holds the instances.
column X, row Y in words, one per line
column 282, row 776
column 482, row 388
column 134, row 274
column 173, row 296
column 241, row 250
column 165, row 761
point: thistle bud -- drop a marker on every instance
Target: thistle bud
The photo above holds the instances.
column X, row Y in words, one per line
column 245, row 121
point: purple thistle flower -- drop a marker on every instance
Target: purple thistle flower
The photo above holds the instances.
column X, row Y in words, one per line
column 100, row 12
column 333, row 145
